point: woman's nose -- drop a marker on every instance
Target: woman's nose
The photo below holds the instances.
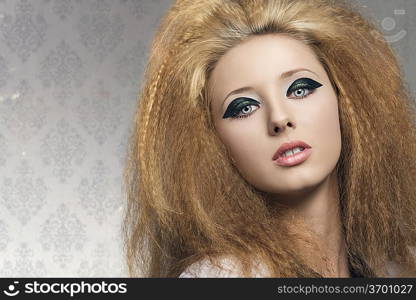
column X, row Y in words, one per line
column 279, row 122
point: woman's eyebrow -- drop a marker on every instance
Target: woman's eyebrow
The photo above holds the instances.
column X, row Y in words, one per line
column 291, row 72
column 282, row 76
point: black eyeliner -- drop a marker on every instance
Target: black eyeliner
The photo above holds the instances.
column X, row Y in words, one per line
column 303, row 83
column 235, row 105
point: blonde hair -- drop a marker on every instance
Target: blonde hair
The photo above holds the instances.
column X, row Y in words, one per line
column 187, row 202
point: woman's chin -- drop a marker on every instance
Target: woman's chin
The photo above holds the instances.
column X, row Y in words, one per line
column 291, row 188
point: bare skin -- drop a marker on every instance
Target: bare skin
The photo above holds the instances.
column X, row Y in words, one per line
column 289, row 98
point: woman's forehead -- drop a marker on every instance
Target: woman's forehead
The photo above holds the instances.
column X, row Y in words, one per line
column 258, row 58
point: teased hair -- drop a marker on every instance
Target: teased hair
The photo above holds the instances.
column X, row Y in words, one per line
column 186, row 201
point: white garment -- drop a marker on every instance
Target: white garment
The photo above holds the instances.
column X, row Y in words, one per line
column 230, row 269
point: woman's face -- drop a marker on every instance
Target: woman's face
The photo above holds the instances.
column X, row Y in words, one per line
column 269, row 90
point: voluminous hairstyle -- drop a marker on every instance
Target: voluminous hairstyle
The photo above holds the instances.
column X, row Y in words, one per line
column 186, row 200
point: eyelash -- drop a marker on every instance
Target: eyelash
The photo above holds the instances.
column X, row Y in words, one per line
column 299, row 86
column 246, row 115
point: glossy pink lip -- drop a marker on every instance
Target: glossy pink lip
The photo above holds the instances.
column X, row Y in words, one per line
column 295, row 158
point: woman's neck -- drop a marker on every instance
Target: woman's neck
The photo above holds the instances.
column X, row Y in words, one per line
column 320, row 209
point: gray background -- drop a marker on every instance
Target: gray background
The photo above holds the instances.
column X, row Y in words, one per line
column 69, row 74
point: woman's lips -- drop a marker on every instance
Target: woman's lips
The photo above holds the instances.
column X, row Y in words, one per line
column 294, row 159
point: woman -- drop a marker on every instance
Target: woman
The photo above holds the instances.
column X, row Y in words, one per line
column 272, row 139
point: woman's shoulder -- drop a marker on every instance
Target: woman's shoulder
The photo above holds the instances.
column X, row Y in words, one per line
column 395, row 269
column 226, row 267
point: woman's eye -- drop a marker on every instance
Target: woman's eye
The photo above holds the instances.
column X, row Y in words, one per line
column 245, row 111
column 244, row 107
column 301, row 93
column 241, row 108
column 302, row 88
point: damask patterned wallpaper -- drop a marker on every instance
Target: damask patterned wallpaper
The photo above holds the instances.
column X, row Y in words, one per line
column 69, row 75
